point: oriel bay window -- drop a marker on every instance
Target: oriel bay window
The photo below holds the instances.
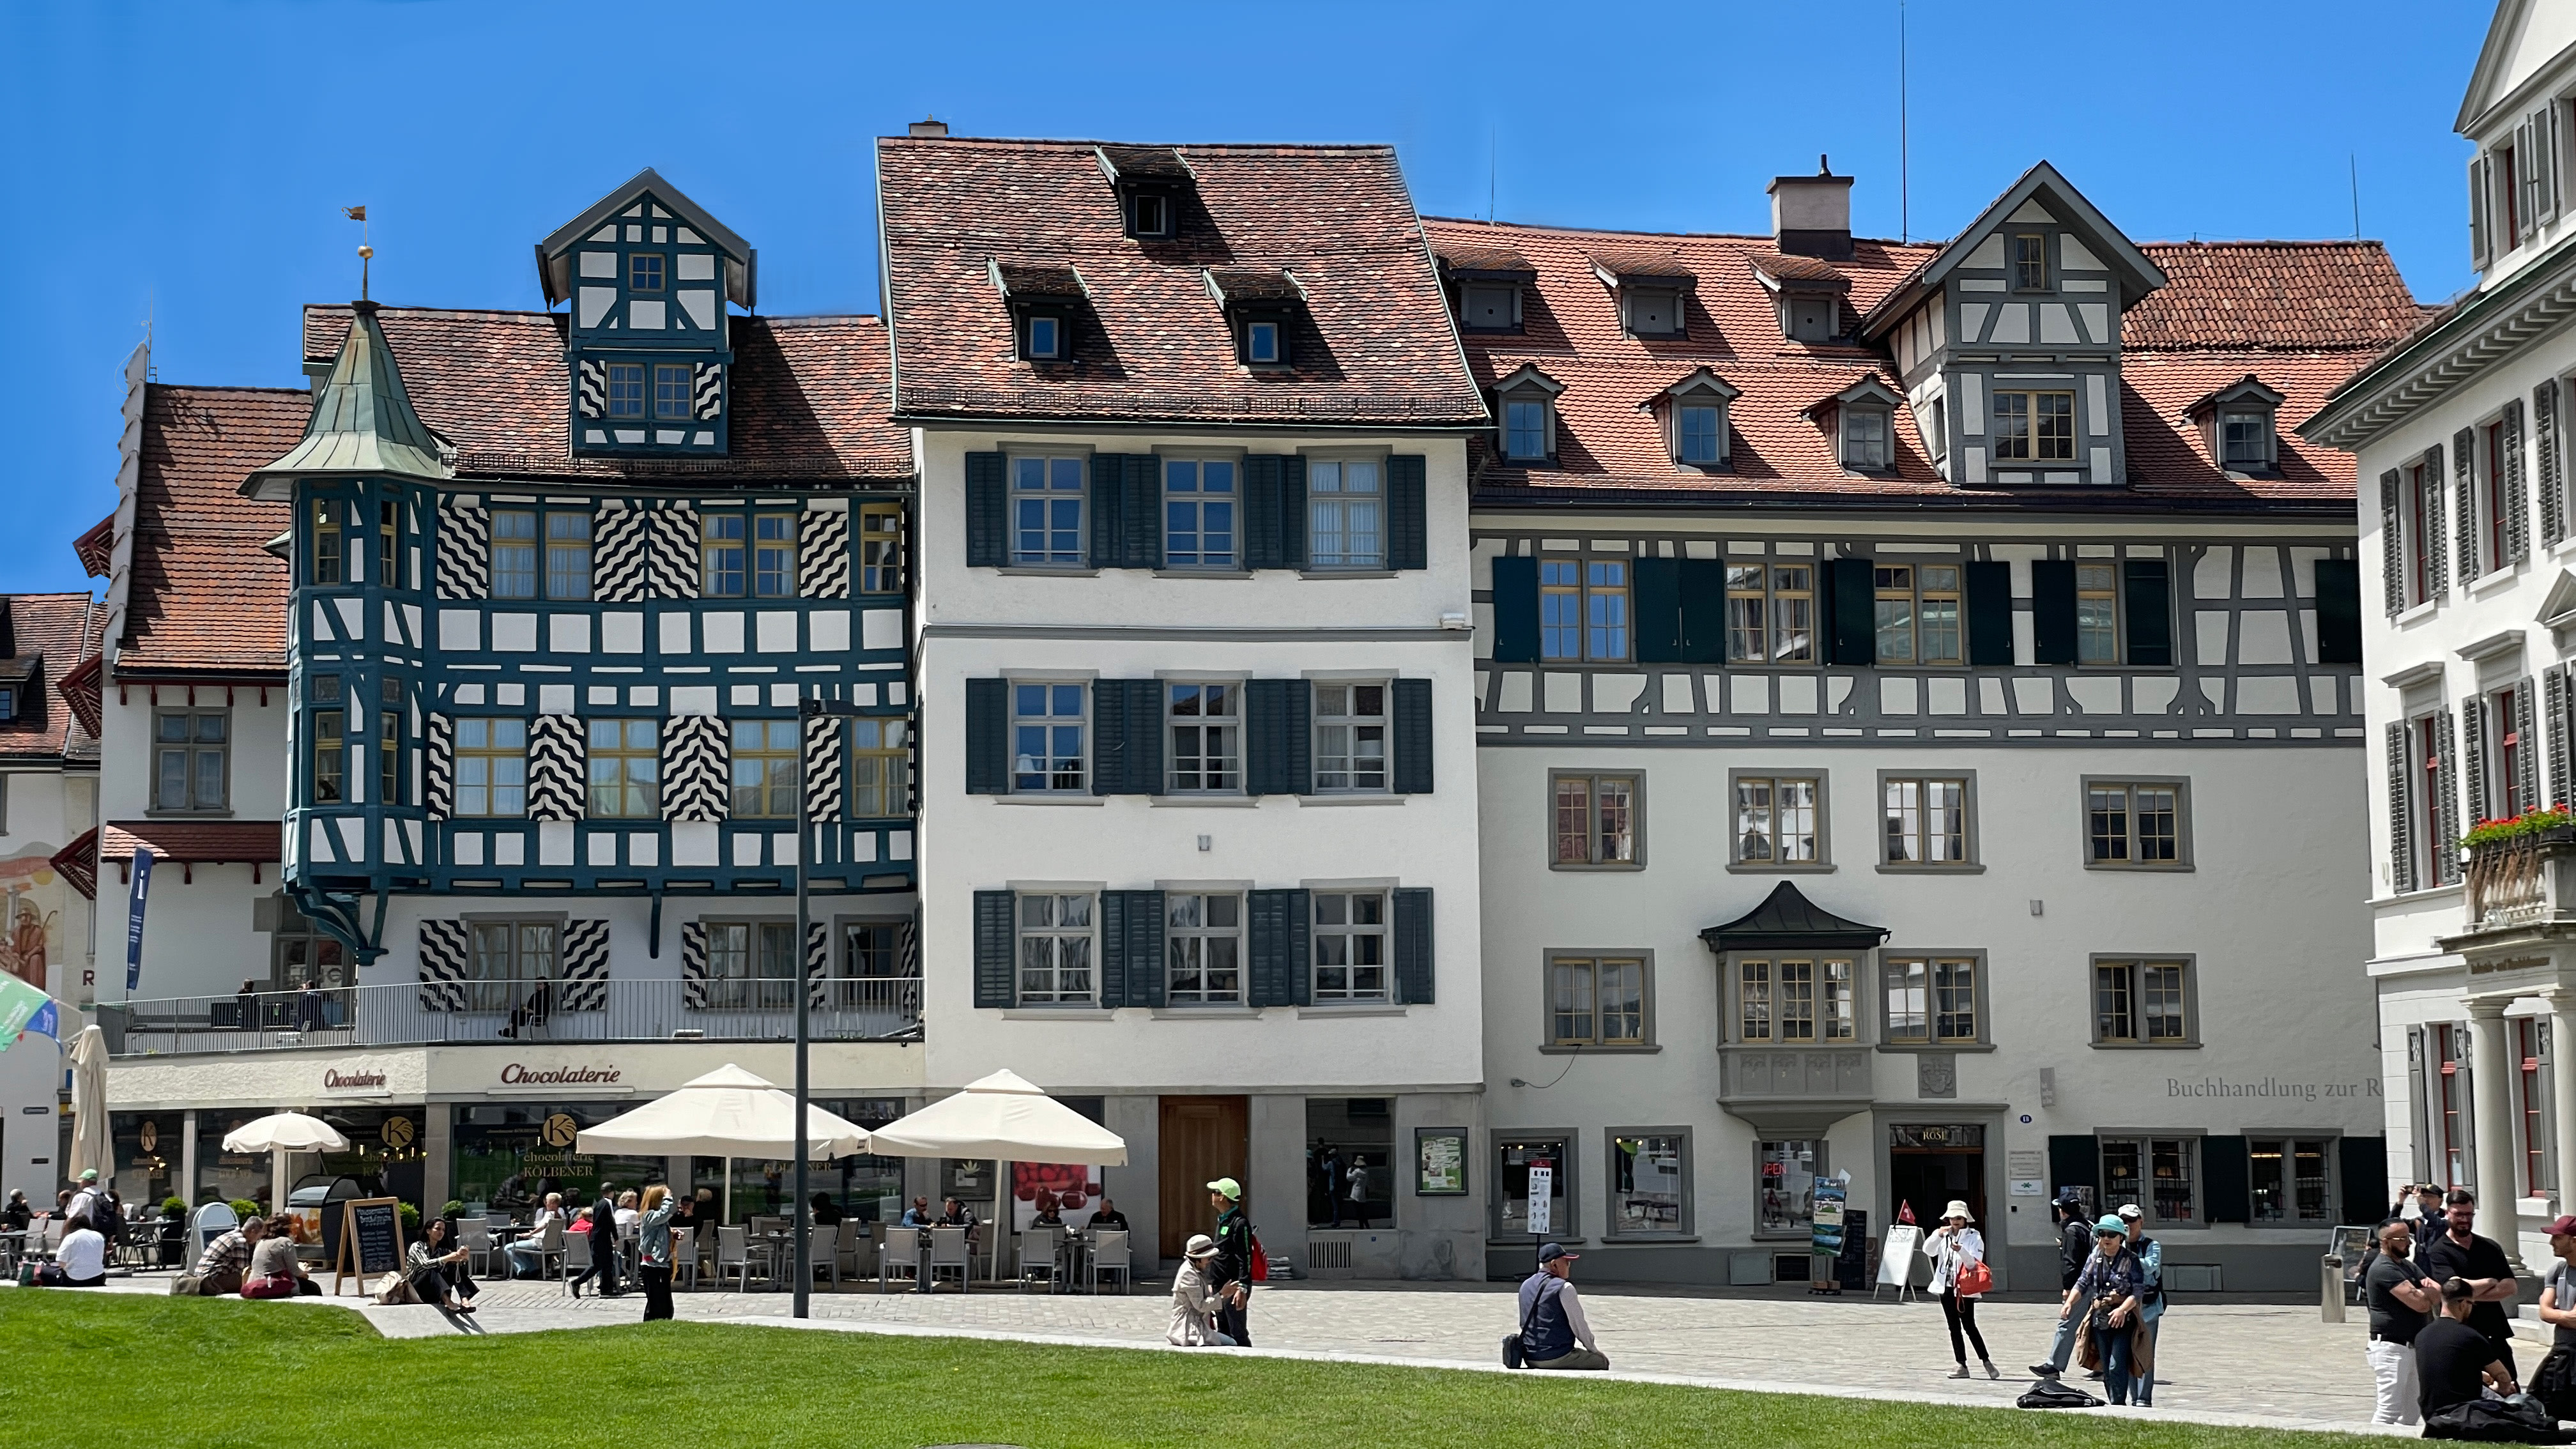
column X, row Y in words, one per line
column 2142, row 1003
column 329, row 549
column 1055, row 935
column 388, row 543
column 1596, row 1001
column 2160, row 1174
column 764, row 769
column 2134, row 823
column 491, row 766
column 1770, row 613
column 1779, row 820
column 191, row 758
column 1203, row 943
column 1787, row 1000
column 1583, row 608
column 327, row 729
column 1597, row 820
column 389, row 739
column 625, row 763
column 2290, row 1178
column 1931, row 1000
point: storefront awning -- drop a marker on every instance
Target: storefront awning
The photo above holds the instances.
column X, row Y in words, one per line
column 1787, row 920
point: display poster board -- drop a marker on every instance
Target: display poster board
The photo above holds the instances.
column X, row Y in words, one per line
column 1439, row 1162
column 1896, row 1259
column 1542, row 1192
column 370, row 1241
column 1826, row 1227
column 1073, row 1188
column 2350, row 1242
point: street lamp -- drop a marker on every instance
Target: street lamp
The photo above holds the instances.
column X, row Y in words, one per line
column 803, row 1219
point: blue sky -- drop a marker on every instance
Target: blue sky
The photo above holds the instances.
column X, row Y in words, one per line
column 188, row 163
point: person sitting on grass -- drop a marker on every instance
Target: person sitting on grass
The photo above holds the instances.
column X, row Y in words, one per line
column 224, row 1265
column 1195, row 1299
column 438, row 1272
column 81, row 1261
column 276, row 1271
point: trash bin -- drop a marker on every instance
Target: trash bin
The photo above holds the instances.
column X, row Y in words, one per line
column 2330, row 1298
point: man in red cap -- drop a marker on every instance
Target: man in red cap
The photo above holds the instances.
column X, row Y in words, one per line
column 1554, row 1334
column 2558, row 1310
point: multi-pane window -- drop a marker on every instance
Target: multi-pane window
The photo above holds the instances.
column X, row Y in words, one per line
column 329, row 558
column 2423, row 505
column 880, row 769
column 773, row 555
column 1916, row 616
column 873, row 953
column 2097, row 613
column 1926, row 820
column 1865, row 433
column 1525, row 431
column 1930, row 999
column 388, row 543
column 1055, row 949
column 671, row 391
column 2245, row 440
column 2491, row 497
column 2531, row 1098
column 1346, row 513
column 1350, row 738
column 881, row 548
column 720, row 555
column 491, row 766
column 2157, row 1173
column 2127, row 824
column 751, row 965
column 2030, row 262
column 2450, row 1047
column 1046, row 511
column 644, row 271
column 1699, row 433
column 567, row 555
column 2290, row 1177
column 191, row 750
column 1046, row 736
column 1770, row 613
column 1778, row 820
column 514, row 553
column 508, row 959
column 329, row 739
column 1199, row 513
column 1646, row 1184
column 1596, row 1001
column 2142, row 1003
column 1203, row 946
column 1583, row 608
column 626, row 389
column 1596, row 819
column 764, row 769
column 389, row 738
column 1796, row 1000
column 1350, row 946
column 2034, row 427
column 625, row 763
column 1207, row 737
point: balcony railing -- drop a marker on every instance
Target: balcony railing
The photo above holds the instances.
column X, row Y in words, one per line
column 2522, row 880
column 868, row 1008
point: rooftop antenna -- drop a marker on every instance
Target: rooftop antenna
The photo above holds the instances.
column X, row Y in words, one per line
column 1904, row 151
column 151, row 310
column 2352, row 165
column 1493, row 165
column 366, row 252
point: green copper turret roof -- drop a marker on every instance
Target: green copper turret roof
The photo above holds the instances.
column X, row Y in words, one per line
column 363, row 422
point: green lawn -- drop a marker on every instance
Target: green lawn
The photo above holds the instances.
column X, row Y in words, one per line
column 150, row 1372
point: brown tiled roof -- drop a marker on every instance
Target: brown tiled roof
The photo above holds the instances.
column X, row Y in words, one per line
column 808, row 394
column 1039, row 279
column 1784, row 267
column 2319, row 296
column 1628, row 261
column 1464, row 256
column 1254, row 284
column 201, row 595
column 49, row 635
column 1372, row 346
column 197, row 842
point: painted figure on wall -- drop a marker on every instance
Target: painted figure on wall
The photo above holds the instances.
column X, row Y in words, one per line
column 22, row 950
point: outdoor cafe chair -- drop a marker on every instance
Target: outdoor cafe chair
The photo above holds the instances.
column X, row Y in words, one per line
column 1109, row 1254
column 850, row 1252
column 823, row 1252
column 576, row 1259
column 948, row 1250
column 734, row 1255
column 1037, row 1256
column 684, row 1254
column 480, row 1250
column 898, row 1252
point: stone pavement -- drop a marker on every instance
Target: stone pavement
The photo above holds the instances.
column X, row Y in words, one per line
column 2270, row 1364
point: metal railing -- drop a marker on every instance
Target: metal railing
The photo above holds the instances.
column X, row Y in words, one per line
column 869, row 1008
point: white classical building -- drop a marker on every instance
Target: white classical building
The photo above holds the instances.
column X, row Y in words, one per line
column 2467, row 537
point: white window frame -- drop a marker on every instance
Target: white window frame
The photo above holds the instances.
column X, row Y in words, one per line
column 1351, row 725
column 1176, row 937
column 1213, row 780
column 1053, row 348
column 1344, row 504
column 1382, row 930
column 1049, row 462
column 1050, row 721
column 1087, row 934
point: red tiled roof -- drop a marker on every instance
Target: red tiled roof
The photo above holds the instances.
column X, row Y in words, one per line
column 2317, row 296
column 1372, row 344
column 197, row 842
column 1786, row 268
column 51, row 635
column 808, row 394
column 201, row 596
column 1462, row 256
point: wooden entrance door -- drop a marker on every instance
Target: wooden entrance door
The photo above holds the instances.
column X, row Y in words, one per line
column 1203, row 1139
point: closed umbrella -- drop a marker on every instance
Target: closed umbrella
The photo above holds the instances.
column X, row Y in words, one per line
column 727, row 1113
column 1005, row 1117
column 278, row 1134
column 89, row 1105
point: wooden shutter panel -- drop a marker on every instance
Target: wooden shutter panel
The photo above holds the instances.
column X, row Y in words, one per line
column 2446, row 802
column 996, row 976
column 2465, row 498
column 2074, row 1161
column 988, row 736
column 2052, row 611
column 1657, row 585
column 1853, row 635
column 443, row 951
column 2401, row 835
column 1109, row 737
column 2526, row 753
column 2150, row 611
column 2473, row 758
column 1990, row 633
column 438, row 768
column 1292, row 512
column 1278, row 751
column 1516, row 634
column 1107, row 499
column 1413, row 953
column 2225, row 1166
column 2338, row 610
column 1142, row 506
column 2517, row 498
column 2477, row 211
column 2553, row 703
column 2392, row 548
column 693, row 964
column 1261, row 545
column 2552, row 479
column 2437, row 565
column 1703, row 610
column 1109, row 981
column 1281, row 937
column 1411, row 768
column 818, row 964
column 1131, row 946
column 1408, row 507
column 1144, row 737
column 557, row 768
column 988, row 515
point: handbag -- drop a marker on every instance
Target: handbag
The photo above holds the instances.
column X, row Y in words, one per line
column 1973, row 1279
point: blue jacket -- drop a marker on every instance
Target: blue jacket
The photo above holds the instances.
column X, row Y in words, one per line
column 1548, row 1336
column 2151, row 1276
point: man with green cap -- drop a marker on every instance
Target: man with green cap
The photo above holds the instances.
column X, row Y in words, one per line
column 1233, row 1271
column 90, row 1203
column 2106, row 1293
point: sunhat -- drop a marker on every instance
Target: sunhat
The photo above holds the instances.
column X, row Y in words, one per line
column 1958, row 1208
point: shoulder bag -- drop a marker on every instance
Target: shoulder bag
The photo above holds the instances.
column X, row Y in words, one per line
column 1973, row 1279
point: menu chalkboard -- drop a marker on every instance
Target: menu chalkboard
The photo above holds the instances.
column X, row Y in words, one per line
column 370, row 1240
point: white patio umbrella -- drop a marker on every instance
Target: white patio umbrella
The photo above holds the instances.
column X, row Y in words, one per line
column 1009, row 1119
column 89, row 1105
column 278, row 1134
column 727, row 1113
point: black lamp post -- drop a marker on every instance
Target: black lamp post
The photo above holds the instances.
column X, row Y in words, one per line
column 803, row 1219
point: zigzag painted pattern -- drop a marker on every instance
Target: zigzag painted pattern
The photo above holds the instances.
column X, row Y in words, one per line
column 824, row 760
column 823, row 554
column 442, row 965
column 620, row 560
column 556, row 761
column 693, row 964
column 907, row 950
column 594, row 388
column 693, row 768
column 585, row 967
column 464, row 550
column 710, row 389
column 671, row 550
column 818, row 963
column 438, row 775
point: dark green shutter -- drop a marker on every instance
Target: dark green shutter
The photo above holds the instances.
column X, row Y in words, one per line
column 2150, row 611
column 988, row 736
column 2338, row 611
column 1516, row 611
column 1280, row 943
column 1408, row 507
column 1278, row 751
column 1658, row 595
column 2363, row 1165
column 1107, row 500
column 1854, row 592
column 995, row 978
column 1131, row 948
column 1110, row 980
column 1261, row 547
column 1411, row 768
column 1144, row 737
column 1703, row 611
column 1144, row 511
column 1413, row 974
column 2074, row 1162
column 1109, row 737
column 2226, row 1170
column 988, row 511
column 2052, row 611
column 1292, row 512
column 1990, row 640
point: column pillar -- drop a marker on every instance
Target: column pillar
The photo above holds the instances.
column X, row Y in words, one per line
column 437, row 1155
column 187, row 1190
column 2491, row 1077
column 2562, row 1092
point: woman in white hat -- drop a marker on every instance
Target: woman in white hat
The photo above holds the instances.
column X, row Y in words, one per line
column 1195, row 1299
column 1955, row 1248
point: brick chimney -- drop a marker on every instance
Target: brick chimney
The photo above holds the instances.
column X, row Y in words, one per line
column 1811, row 215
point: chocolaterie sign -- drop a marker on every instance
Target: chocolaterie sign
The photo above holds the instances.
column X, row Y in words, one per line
column 333, row 1079
column 520, row 1074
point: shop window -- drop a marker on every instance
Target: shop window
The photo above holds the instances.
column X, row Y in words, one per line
column 2160, row 1174
column 1353, row 1178
column 1649, row 1183
column 1785, row 1173
column 2292, row 1179
column 1518, row 1160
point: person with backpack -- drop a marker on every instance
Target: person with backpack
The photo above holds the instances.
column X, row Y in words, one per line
column 2074, row 1250
column 1959, row 1277
column 1554, row 1332
column 2151, row 1298
column 1233, row 1261
column 2554, row 1382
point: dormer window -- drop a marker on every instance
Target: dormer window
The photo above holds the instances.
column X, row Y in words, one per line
column 1700, row 430
column 1693, row 413
column 1865, row 439
column 1651, row 291
column 1525, row 404
column 2245, row 440
column 644, row 272
column 1044, row 299
column 1259, row 304
column 2030, row 262
column 1487, row 283
column 1149, row 182
column 1149, row 214
column 1808, row 292
column 1045, row 338
column 1261, row 342
column 1861, row 421
column 2236, row 425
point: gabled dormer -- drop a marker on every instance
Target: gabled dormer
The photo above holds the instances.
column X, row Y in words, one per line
column 1525, row 411
column 648, row 274
column 1150, row 183
column 1808, row 294
column 1860, row 421
column 1261, row 306
column 1487, row 286
column 2237, row 426
column 1692, row 416
column 1650, row 290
